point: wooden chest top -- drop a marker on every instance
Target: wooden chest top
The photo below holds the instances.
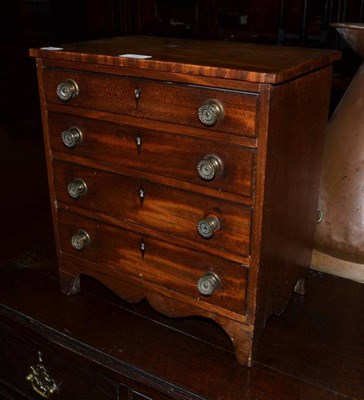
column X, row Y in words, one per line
column 240, row 61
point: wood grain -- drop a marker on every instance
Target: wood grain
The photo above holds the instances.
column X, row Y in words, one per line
column 264, row 64
column 159, row 101
column 173, row 267
column 162, row 208
column 291, row 188
column 115, row 144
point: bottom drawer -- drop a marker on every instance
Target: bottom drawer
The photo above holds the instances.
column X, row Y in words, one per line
column 33, row 369
column 165, row 265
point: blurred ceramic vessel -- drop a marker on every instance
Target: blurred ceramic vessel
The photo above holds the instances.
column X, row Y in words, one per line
column 340, row 234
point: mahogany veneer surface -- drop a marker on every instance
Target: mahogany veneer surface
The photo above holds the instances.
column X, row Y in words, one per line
column 265, row 64
column 98, row 345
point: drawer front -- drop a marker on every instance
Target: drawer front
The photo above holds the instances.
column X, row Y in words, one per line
column 164, row 154
column 178, row 269
column 18, row 355
column 159, row 101
column 176, row 212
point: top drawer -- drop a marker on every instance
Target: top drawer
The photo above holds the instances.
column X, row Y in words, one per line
column 160, row 101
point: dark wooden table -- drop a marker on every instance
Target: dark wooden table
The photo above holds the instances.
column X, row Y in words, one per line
column 314, row 351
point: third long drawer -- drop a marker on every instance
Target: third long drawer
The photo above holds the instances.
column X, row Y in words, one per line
column 163, row 208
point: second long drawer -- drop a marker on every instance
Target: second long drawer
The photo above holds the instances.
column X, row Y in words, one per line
column 163, row 208
column 155, row 152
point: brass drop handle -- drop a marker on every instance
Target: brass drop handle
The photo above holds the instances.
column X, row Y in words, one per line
column 208, row 226
column 67, row 90
column 80, row 239
column 208, row 284
column 77, row 188
column 41, row 381
column 71, row 137
column 211, row 112
column 210, row 167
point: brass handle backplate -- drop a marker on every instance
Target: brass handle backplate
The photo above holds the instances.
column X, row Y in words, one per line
column 71, row 137
column 208, row 284
column 210, row 112
column 67, row 90
column 41, row 381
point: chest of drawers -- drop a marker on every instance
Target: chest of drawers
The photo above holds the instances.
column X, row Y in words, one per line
column 188, row 177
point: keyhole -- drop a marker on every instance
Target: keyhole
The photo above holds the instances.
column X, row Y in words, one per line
column 142, row 247
column 139, row 142
column 141, row 193
column 137, row 93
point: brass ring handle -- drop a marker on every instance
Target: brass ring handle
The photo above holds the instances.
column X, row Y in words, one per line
column 41, row 381
column 67, row 90
column 71, row 137
column 208, row 284
column 210, row 112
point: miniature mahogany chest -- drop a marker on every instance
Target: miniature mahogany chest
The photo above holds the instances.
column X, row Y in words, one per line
column 186, row 172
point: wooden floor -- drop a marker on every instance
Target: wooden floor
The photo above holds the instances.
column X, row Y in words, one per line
column 314, row 351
